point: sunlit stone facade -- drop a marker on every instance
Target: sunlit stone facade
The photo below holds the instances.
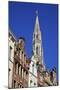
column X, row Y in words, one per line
column 11, row 46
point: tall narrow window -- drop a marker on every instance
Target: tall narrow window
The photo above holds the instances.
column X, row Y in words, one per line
column 20, row 53
column 10, row 52
column 37, row 50
column 18, row 85
column 34, row 84
column 33, row 68
column 21, row 72
column 9, row 71
column 18, row 69
column 14, row 83
column 24, row 59
column 37, row 36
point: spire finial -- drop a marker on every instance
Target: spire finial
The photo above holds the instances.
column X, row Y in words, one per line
column 36, row 12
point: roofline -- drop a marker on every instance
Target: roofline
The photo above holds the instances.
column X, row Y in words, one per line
column 9, row 31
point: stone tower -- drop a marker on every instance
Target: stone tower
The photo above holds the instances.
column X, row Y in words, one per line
column 37, row 43
column 37, row 57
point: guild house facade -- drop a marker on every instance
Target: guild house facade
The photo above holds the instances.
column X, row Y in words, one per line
column 24, row 72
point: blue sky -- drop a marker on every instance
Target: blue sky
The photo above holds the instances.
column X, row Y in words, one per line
column 22, row 21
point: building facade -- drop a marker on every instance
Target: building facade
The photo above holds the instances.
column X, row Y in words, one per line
column 21, row 66
column 11, row 46
column 18, row 63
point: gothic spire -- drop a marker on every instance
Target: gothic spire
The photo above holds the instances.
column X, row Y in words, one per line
column 37, row 26
column 37, row 41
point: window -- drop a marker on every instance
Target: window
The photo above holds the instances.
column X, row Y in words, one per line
column 9, row 71
column 34, row 84
column 24, row 73
column 33, row 68
column 18, row 69
column 24, row 58
column 19, row 52
column 15, row 67
column 37, row 36
column 37, row 50
column 22, row 55
column 14, row 83
column 18, row 85
column 30, row 81
column 32, row 65
column 21, row 71
column 10, row 52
